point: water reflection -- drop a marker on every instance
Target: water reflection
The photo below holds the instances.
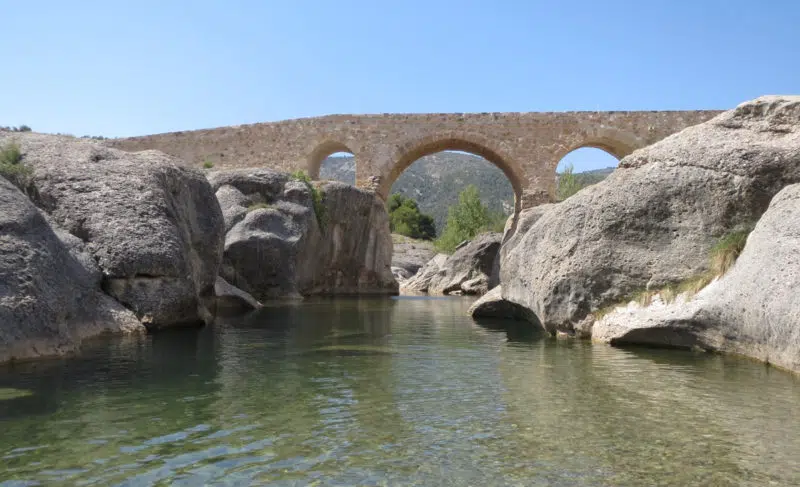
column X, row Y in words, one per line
column 397, row 391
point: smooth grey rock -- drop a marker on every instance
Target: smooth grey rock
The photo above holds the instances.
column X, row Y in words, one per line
column 492, row 305
column 411, row 254
column 231, row 296
column 654, row 220
column 154, row 228
column 420, row 282
column 400, row 274
column 276, row 247
column 752, row 310
column 469, row 269
column 50, row 296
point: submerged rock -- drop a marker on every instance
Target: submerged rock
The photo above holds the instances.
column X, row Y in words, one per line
column 752, row 310
column 654, row 220
column 154, row 228
column 277, row 246
column 50, row 295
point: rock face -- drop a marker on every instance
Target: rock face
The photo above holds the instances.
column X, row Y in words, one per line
column 277, row 247
column 231, row 297
column 153, row 227
column 421, row 281
column 492, row 305
column 752, row 310
column 50, row 295
column 467, row 271
column 654, row 220
column 410, row 254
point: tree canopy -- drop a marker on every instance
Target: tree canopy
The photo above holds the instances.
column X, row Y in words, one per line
column 406, row 219
column 467, row 219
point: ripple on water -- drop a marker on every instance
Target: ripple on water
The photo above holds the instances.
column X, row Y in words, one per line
column 400, row 392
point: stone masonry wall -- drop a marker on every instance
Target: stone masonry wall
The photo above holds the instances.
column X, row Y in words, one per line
column 527, row 146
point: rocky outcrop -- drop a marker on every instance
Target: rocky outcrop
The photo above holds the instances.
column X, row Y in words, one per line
column 231, row 297
column 278, row 246
column 152, row 226
column 492, row 305
column 467, row 271
column 654, row 220
column 410, row 255
column 50, row 295
column 421, row 281
column 752, row 310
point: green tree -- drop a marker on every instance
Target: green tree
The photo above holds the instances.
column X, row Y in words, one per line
column 406, row 219
column 568, row 183
column 467, row 219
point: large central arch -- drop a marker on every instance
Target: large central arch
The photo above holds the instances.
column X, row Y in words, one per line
column 414, row 149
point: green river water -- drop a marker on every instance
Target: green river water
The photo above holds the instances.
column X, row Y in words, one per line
column 392, row 392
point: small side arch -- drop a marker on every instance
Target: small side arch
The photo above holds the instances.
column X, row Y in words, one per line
column 616, row 142
column 320, row 152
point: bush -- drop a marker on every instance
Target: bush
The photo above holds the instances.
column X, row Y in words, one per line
column 12, row 167
column 406, row 219
column 207, row 164
column 568, row 184
column 467, row 219
column 316, row 196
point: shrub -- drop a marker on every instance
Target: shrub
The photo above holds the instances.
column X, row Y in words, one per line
column 316, row 196
column 207, row 164
column 12, row 167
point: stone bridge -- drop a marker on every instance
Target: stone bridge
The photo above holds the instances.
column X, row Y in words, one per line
column 526, row 146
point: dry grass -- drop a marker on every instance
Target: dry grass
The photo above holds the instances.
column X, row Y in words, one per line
column 723, row 256
column 727, row 250
column 258, row 206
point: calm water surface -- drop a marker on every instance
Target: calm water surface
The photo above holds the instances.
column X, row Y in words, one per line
column 393, row 392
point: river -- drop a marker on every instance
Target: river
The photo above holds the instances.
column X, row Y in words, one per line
column 405, row 391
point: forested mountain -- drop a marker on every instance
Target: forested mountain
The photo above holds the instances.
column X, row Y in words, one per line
column 434, row 181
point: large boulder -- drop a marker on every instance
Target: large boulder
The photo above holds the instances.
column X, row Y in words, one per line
column 752, row 310
column 654, row 220
column 278, row 246
column 50, row 295
column 421, row 281
column 153, row 227
column 410, row 254
column 354, row 255
column 469, row 269
column 492, row 305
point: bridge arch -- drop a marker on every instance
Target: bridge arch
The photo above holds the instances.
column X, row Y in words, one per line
column 615, row 142
column 320, row 152
column 412, row 150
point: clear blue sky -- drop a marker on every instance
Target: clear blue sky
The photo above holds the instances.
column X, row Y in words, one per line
column 121, row 68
